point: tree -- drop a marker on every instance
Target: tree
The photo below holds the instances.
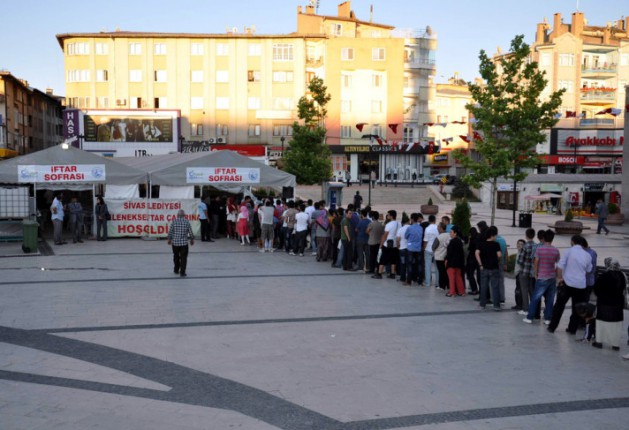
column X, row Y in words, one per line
column 461, row 217
column 510, row 118
column 309, row 156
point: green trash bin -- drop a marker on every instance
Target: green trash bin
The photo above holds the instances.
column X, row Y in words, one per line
column 29, row 236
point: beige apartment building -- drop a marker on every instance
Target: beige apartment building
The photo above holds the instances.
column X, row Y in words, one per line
column 591, row 62
column 242, row 88
column 30, row 120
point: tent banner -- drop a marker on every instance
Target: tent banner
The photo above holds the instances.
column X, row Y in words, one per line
column 149, row 217
column 61, row 173
column 222, row 175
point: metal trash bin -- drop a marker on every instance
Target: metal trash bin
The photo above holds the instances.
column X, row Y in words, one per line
column 526, row 220
column 29, row 236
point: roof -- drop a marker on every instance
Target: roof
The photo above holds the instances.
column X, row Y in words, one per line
column 354, row 20
column 158, row 35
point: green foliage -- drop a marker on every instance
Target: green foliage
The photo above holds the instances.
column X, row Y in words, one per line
column 510, row 117
column 429, row 201
column 461, row 217
column 460, row 190
column 569, row 216
column 511, row 262
column 308, row 157
column 613, row 208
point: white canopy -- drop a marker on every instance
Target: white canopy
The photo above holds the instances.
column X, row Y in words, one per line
column 543, row 197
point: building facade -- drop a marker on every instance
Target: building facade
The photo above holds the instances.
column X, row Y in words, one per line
column 242, row 88
column 592, row 64
column 30, row 120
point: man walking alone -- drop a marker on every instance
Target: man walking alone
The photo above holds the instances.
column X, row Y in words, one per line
column 178, row 235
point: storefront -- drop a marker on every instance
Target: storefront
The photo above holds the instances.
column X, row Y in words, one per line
column 591, row 151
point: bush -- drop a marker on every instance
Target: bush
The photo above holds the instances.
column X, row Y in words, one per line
column 461, row 190
column 430, row 201
column 511, row 263
column 461, row 217
column 569, row 215
column 613, row 208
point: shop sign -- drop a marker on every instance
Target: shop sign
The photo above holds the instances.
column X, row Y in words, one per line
column 574, row 198
column 593, row 186
column 71, row 124
column 562, row 159
column 599, row 140
column 353, row 149
column 440, row 158
column 62, row 173
column 142, row 217
column 550, row 188
column 222, row 175
column 507, row 187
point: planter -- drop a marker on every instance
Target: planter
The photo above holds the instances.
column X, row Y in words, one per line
column 429, row 209
column 568, row 227
column 615, row 219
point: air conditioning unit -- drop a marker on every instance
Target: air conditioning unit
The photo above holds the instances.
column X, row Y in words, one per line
column 220, row 140
column 121, row 102
column 211, row 140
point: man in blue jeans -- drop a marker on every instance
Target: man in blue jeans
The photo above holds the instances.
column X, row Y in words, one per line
column 488, row 257
column 545, row 273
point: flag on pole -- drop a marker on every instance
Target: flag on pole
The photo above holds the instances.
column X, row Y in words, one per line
column 465, row 138
column 615, row 112
column 393, row 128
column 360, row 126
column 410, row 146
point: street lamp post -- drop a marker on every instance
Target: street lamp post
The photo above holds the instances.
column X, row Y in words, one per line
column 282, row 139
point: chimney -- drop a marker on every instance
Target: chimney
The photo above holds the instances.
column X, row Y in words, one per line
column 49, row 91
column 345, row 9
column 627, row 23
column 577, row 24
column 540, row 35
column 557, row 30
column 310, row 10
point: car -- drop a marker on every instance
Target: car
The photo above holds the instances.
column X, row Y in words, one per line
column 438, row 179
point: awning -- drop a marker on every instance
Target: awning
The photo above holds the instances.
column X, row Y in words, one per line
column 543, row 197
column 7, row 153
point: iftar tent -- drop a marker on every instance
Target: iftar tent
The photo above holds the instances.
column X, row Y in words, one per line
column 209, row 168
column 55, row 165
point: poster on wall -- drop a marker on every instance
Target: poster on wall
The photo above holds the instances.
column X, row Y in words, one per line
column 144, row 217
column 121, row 128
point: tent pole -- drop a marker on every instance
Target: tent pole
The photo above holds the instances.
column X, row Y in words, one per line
column 93, row 224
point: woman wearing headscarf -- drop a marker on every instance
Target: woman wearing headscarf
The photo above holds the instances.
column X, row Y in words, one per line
column 610, row 301
column 243, row 224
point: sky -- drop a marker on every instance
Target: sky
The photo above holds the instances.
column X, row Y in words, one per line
column 29, row 48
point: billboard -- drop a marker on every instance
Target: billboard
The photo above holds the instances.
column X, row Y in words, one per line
column 120, row 128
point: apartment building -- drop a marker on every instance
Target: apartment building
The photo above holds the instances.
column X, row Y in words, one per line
column 30, row 120
column 591, row 62
column 242, row 88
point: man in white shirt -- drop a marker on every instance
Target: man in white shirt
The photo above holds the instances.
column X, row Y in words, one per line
column 310, row 209
column 402, row 244
column 572, row 270
column 430, row 234
column 390, row 252
column 301, row 231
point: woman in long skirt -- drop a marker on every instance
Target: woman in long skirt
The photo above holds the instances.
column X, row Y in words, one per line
column 610, row 301
column 243, row 225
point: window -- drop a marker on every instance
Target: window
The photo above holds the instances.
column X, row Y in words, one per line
column 102, row 76
column 282, row 76
column 222, row 102
column 222, row 49
column 336, row 29
column 567, row 85
column 135, row 75
column 282, row 52
column 346, row 131
column 408, row 134
column 566, row 59
column 376, row 80
column 376, row 106
column 254, row 50
column 102, row 102
column 222, row 76
column 376, row 130
column 346, row 80
column 73, row 102
column 78, row 48
column 253, row 103
column 624, row 59
column 160, row 76
column 377, row 54
column 254, row 130
column 346, row 106
column 196, row 49
column 545, row 60
column 347, row 54
column 253, row 75
column 196, row 102
column 102, row 49
column 78, row 76
column 196, row 129
column 222, row 130
column 282, row 130
column 160, row 102
column 282, row 103
column 135, row 49
column 197, row 76
column 136, row 102
column 159, row 49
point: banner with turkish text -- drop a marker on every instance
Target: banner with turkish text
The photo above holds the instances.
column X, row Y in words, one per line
column 61, row 173
column 221, row 175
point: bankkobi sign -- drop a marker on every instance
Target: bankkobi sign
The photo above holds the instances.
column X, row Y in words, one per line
column 222, row 175
column 61, row 173
column 141, row 217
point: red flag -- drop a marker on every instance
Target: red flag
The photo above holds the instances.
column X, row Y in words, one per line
column 627, row 108
column 431, row 147
column 379, row 141
column 466, row 139
column 459, row 122
column 394, row 144
column 429, row 124
column 603, row 112
column 393, row 128
column 360, row 126
column 477, row 136
column 571, row 114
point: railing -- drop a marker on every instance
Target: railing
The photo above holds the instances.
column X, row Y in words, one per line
column 598, row 95
column 414, row 33
column 596, row 121
column 605, row 69
column 420, row 64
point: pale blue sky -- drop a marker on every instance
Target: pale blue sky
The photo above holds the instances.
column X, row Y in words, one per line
column 30, row 50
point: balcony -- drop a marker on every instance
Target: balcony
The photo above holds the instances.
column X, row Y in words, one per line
column 602, row 95
column 590, row 122
column 599, row 72
column 427, row 64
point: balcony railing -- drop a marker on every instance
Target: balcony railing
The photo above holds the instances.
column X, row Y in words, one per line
column 598, row 93
column 599, row 69
column 596, row 121
column 420, row 63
